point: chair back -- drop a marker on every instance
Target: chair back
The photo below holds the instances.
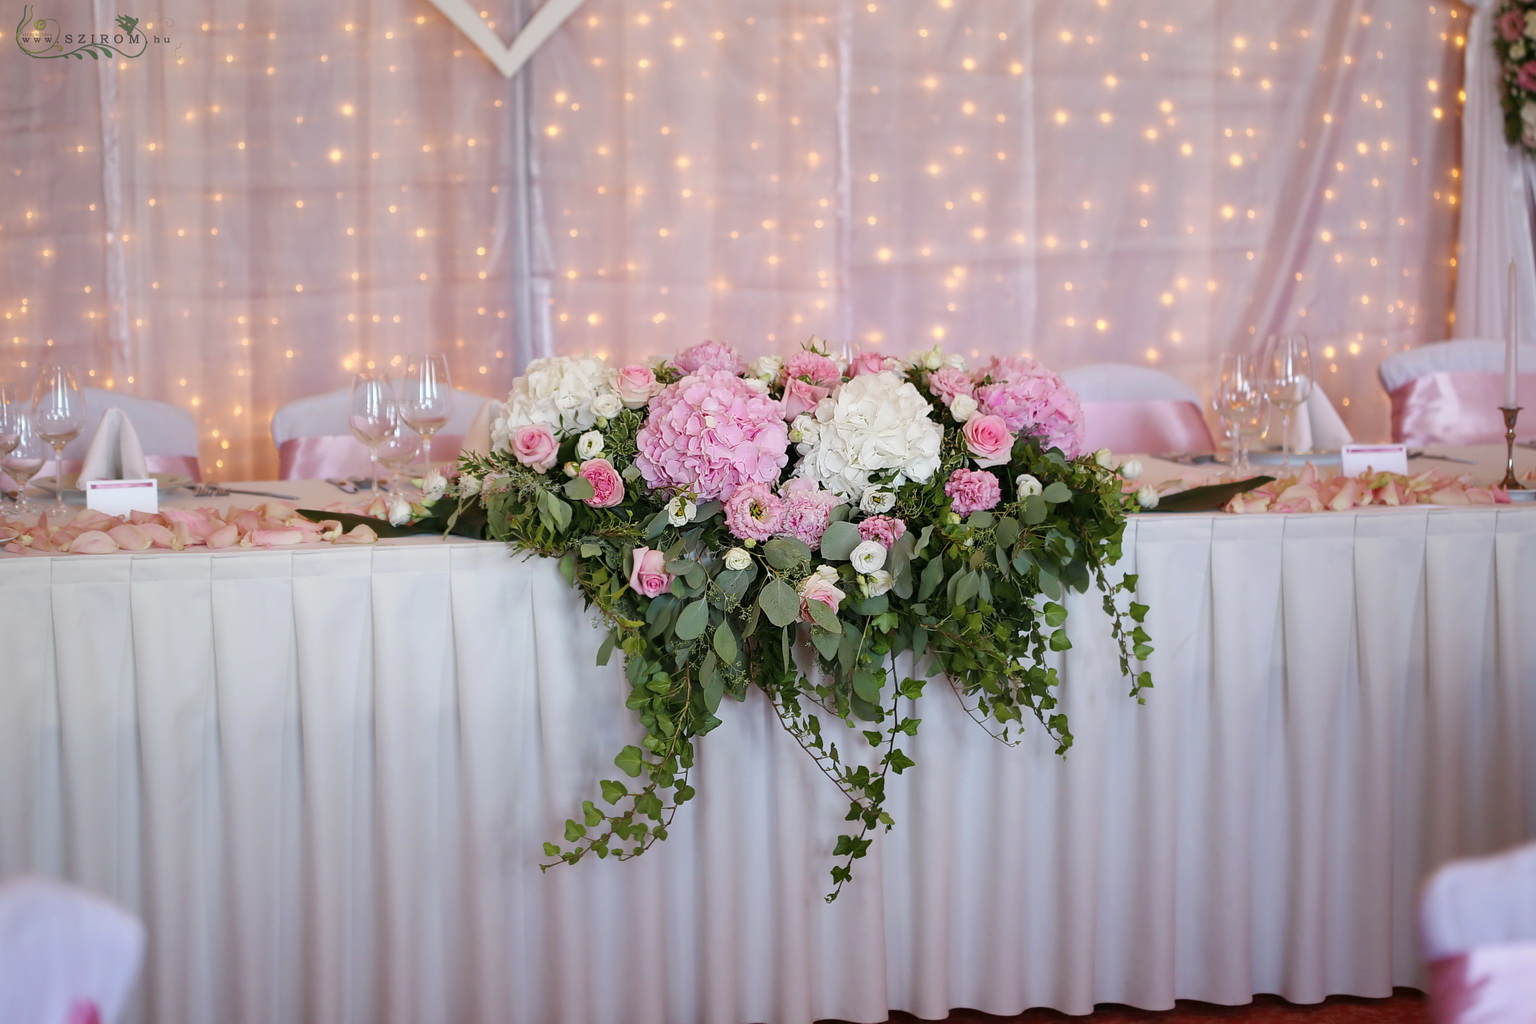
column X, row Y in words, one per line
column 67, row 956
column 1477, row 920
column 1138, row 409
column 314, row 442
column 1450, row 392
column 167, row 433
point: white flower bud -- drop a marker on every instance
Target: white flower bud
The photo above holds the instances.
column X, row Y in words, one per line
column 1028, row 485
column 868, row 556
column 589, row 445
column 737, row 558
column 571, row 469
column 962, row 408
column 876, row 583
column 1147, row 497
column 1131, row 468
column 1104, row 458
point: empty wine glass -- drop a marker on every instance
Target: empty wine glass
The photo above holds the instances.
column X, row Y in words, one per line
column 25, row 460
column 396, row 449
column 426, row 399
column 58, row 416
column 1288, row 381
column 1235, row 395
column 373, row 414
column 1251, row 427
column 10, row 409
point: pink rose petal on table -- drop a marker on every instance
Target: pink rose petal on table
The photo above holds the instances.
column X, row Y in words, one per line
column 226, row 536
column 130, row 537
column 279, row 538
column 359, row 534
column 160, row 536
column 93, row 542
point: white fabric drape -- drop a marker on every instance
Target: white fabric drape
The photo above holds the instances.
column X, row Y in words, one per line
column 287, row 190
column 323, row 779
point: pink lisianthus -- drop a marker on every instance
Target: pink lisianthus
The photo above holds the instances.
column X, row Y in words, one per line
column 636, row 385
column 948, row 383
column 1511, row 25
column 649, row 575
column 708, row 357
column 1526, row 76
column 607, row 485
column 754, row 512
column 972, row 490
column 867, row 362
column 885, row 529
column 820, row 585
column 534, row 446
column 988, row 440
column 713, row 433
column 807, row 513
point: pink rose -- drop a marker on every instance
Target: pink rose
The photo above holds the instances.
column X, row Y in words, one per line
column 636, row 385
column 866, row 362
column 649, row 575
column 988, row 439
column 1511, row 25
column 885, row 529
column 801, row 397
column 607, row 485
column 1526, row 76
column 972, row 490
column 813, row 368
column 535, row 447
column 821, row 586
column 948, row 383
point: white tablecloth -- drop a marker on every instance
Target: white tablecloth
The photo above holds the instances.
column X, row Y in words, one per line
column 324, row 776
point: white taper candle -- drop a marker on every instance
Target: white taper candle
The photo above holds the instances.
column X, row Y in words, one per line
column 1511, row 344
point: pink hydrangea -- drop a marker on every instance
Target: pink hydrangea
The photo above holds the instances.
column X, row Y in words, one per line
column 754, row 512
column 807, row 513
column 972, row 490
column 947, row 383
column 1034, row 400
column 709, row 356
column 885, row 529
column 713, row 432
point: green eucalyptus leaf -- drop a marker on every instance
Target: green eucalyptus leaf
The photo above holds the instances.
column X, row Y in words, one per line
column 825, row 642
column 839, row 541
column 693, row 621
column 1007, row 531
column 933, row 575
column 1056, row 492
column 786, row 553
column 982, row 520
column 824, row 617
column 779, row 602
column 868, row 682
column 578, row 488
column 1034, row 510
column 969, row 586
column 725, row 643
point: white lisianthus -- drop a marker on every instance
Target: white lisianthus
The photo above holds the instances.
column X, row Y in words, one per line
column 877, row 500
column 962, row 408
column 607, row 405
column 557, row 392
column 1147, row 497
column 766, row 368
column 737, row 558
column 590, row 444
column 876, row 583
column 874, row 423
column 1104, row 458
column 1530, row 24
column 433, row 486
column 1131, row 468
column 868, row 556
column 469, row 485
column 1028, row 485
column 399, row 510
column 680, row 511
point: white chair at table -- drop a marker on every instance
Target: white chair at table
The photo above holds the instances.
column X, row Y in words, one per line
column 167, row 434
column 1449, row 392
column 1477, row 920
column 67, row 956
column 1129, row 408
column 314, row 442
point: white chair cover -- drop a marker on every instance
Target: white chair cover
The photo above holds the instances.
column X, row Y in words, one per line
column 61, row 948
column 1467, row 355
column 1484, row 901
column 162, row 429
column 1123, row 382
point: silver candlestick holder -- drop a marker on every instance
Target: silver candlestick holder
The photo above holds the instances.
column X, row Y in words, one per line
column 1511, row 416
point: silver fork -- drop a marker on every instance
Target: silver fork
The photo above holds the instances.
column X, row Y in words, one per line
column 218, row 491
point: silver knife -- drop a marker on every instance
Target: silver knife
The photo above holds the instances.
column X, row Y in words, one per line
column 263, row 494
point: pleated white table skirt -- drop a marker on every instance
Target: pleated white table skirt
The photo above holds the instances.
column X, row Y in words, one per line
column 324, row 778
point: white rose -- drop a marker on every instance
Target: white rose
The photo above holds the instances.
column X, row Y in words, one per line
column 1104, row 458
column 737, row 558
column 868, row 556
column 399, row 510
column 433, row 486
column 1131, row 468
column 766, row 368
column 877, row 583
column 877, row 500
column 469, row 485
column 1028, row 485
column 805, row 429
column 1530, row 24
column 680, row 511
column 962, row 408
column 590, row 444
column 607, row 405
column 1147, row 497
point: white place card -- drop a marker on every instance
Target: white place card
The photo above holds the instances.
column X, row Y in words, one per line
column 120, row 497
column 1381, row 458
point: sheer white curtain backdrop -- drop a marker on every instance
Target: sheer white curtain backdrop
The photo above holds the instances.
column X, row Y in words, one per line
column 286, row 192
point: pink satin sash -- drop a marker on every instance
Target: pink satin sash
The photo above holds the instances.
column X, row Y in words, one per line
column 342, row 455
column 1489, row 985
column 1150, row 427
column 1457, row 408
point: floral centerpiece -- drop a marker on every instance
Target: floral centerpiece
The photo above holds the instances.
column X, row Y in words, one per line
column 1515, row 43
column 797, row 526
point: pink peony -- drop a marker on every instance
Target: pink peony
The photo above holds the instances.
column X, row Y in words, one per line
column 807, row 514
column 534, row 446
column 987, row 438
column 1033, row 400
column 709, row 356
column 813, row 368
column 649, row 575
column 607, row 485
column 712, row 432
column 972, row 490
column 636, row 385
column 867, row 362
column 885, row 529
column 800, row 397
column 753, row 512
column 1511, row 25
column 1526, row 76
column 947, row 383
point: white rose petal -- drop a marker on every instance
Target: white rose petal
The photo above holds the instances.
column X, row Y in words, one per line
column 1027, row 485
column 1104, row 458
column 877, row 500
column 962, row 408
column 877, row 583
column 589, row 445
column 1131, row 468
column 868, row 556
column 737, row 558
column 1147, row 497
column 607, row 405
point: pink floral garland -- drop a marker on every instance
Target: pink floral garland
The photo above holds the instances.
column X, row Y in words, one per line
column 270, row 525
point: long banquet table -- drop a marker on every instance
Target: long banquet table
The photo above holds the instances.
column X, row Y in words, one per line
column 323, row 776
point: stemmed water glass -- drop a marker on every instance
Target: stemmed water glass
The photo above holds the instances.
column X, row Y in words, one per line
column 426, row 399
column 10, row 423
column 1236, row 394
column 1287, row 373
column 373, row 414
column 396, row 449
column 24, row 459
column 58, row 416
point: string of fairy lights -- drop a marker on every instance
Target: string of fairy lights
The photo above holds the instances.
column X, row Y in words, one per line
column 305, row 194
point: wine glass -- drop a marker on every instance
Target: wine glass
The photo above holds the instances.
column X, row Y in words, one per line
column 426, row 399
column 1288, row 380
column 1235, row 396
column 10, row 409
column 396, row 449
column 24, row 460
column 1252, row 426
column 58, row 416
column 373, row 414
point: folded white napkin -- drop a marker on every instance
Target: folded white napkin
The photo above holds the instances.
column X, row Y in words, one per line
column 1315, row 426
column 115, row 452
column 477, row 439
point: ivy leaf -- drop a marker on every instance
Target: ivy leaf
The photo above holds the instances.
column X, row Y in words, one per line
column 1059, row 641
column 591, row 814
column 786, row 553
column 613, row 791
column 630, row 761
column 839, row 541
column 574, row 830
column 648, row 804
column 1055, row 614
column 694, row 620
column 779, row 602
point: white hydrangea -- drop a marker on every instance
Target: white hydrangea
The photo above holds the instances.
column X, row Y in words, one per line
column 558, row 392
column 875, row 424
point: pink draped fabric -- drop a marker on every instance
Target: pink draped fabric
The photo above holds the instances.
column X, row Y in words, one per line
column 342, row 455
column 1489, row 985
column 84, row 1012
column 1458, row 408
column 1152, row 426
